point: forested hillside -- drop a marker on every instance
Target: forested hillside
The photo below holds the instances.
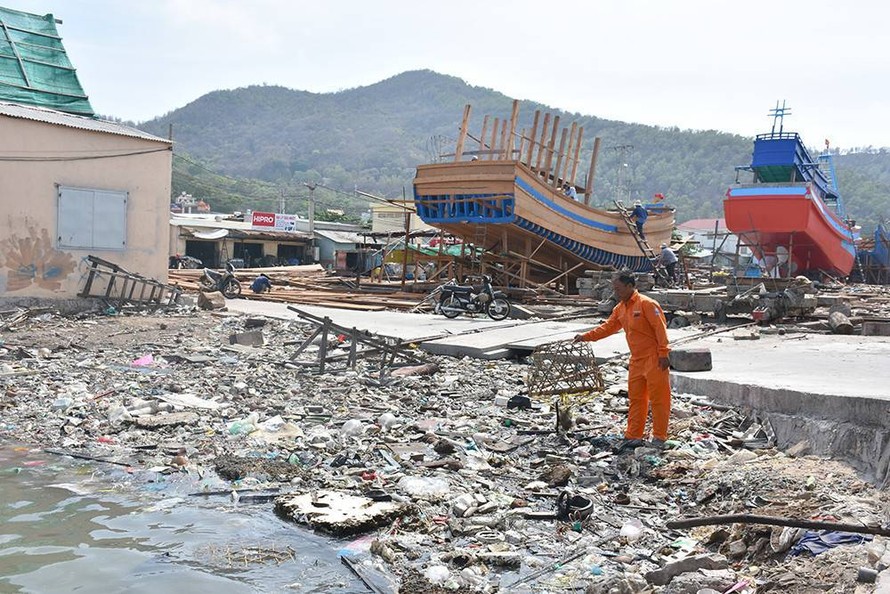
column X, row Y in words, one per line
column 372, row 138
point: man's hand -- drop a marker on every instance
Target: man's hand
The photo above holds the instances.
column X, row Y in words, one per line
column 578, row 338
column 664, row 362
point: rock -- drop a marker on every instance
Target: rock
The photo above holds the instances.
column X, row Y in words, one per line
column 663, row 576
column 443, row 447
column 556, row 476
column 211, row 301
column 252, row 338
column 737, row 549
column 693, row 359
column 801, row 448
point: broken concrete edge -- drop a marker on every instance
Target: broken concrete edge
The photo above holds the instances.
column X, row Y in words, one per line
column 853, row 429
column 63, row 306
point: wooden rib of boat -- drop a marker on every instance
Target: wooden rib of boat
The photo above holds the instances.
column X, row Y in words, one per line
column 509, row 198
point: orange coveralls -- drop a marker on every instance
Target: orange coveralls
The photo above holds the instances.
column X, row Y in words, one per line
column 646, row 332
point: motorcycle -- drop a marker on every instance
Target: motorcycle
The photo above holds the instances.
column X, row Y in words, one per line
column 456, row 299
column 224, row 282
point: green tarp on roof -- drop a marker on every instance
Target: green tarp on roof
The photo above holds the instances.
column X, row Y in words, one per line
column 34, row 68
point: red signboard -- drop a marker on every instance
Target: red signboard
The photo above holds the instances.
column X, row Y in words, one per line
column 263, row 219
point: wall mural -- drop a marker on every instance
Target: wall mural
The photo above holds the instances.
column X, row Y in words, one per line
column 32, row 260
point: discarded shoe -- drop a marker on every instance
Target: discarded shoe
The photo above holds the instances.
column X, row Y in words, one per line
column 656, row 443
column 628, row 445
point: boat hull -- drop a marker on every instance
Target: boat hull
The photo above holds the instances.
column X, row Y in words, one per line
column 771, row 218
column 506, row 208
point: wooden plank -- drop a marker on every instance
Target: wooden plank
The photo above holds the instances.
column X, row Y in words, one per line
column 494, row 139
column 544, row 130
column 559, row 156
column 503, row 154
column 459, row 150
column 575, row 157
column 522, row 141
column 532, row 138
column 588, row 191
column 514, row 116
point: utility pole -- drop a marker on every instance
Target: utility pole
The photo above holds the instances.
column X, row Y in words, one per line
column 311, row 216
column 281, row 201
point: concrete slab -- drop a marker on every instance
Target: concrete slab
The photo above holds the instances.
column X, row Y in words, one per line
column 846, row 366
column 496, row 340
column 406, row 326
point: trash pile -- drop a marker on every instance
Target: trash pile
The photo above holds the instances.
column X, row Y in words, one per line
column 445, row 477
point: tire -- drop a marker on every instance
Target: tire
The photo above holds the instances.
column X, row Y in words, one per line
column 232, row 289
column 498, row 309
column 450, row 307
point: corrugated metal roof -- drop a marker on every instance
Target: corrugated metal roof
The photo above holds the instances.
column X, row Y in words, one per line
column 341, row 236
column 50, row 116
column 193, row 231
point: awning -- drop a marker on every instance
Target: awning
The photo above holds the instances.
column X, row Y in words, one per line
column 215, row 234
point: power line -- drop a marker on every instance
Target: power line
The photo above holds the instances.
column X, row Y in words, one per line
column 15, row 159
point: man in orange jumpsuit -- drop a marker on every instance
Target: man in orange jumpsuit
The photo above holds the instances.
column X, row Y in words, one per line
column 648, row 383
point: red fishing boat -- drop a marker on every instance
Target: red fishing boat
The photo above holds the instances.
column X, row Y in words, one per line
column 791, row 214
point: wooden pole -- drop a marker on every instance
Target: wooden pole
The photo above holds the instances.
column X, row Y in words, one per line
column 570, row 149
column 544, row 129
column 532, row 138
column 494, row 139
column 459, row 150
column 405, row 252
column 550, row 147
column 502, row 152
column 514, row 116
column 588, row 191
column 522, row 141
column 558, row 168
column 482, row 137
column 575, row 157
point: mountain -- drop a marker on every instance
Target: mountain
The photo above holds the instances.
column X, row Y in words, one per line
column 272, row 139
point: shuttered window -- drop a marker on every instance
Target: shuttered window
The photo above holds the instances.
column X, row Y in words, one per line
column 92, row 219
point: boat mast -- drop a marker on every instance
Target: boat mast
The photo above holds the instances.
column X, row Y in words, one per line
column 778, row 114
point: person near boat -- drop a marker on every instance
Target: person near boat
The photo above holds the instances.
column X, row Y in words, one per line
column 648, row 382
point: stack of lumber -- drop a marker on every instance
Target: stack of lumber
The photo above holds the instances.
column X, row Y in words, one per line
column 309, row 285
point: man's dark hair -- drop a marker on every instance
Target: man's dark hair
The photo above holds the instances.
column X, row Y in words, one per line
column 625, row 277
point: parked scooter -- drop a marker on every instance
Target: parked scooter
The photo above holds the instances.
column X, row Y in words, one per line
column 457, row 299
column 224, row 282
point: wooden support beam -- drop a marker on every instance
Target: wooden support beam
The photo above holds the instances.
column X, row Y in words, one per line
column 559, row 157
column 545, row 129
column 548, row 162
column 502, row 154
column 570, row 149
column 514, row 116
column 575, row 157
column 494, row 139
column 462, row 137
column 532, row 138
column 482, row 136
column 588, row 190
column 522, row 141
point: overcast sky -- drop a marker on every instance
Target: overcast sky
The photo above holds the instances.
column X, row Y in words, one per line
column 700, row 64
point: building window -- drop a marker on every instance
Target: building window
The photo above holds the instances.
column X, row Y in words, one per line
column 92, row 219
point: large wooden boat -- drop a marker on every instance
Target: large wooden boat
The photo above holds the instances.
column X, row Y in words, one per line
column 791, row 215
column 509, row 198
